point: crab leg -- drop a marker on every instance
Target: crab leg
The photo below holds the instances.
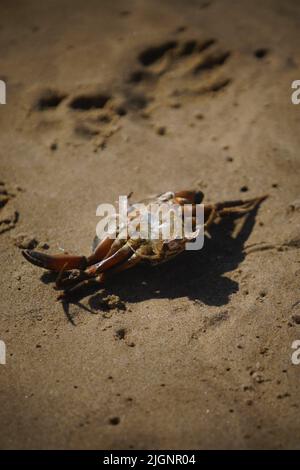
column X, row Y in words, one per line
column 249, row 204
column 129, row 263
column 101, row 250
column 135, row 259
column 104, row 250
column 210, row 219
column 118, row 257
column 66, row 262
column 85, row 283
column 117, row 244
column 230, row 208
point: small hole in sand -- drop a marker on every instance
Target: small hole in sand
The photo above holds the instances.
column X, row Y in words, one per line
column 261, row 53
column 84, row 103
column 114, row 421
column 161, row 130
column 121, row 111
column 120, row 333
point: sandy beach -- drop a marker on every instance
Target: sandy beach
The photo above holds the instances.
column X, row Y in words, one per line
column 108, row 98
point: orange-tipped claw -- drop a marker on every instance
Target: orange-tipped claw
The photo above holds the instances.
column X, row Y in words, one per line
column 55, row 262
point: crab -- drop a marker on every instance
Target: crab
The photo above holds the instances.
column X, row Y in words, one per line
column 114, row 255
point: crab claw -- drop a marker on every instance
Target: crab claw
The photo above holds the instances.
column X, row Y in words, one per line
column 55, row 262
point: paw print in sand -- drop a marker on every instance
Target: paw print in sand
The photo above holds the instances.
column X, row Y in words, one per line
column 177, row 70
column 8, row 214
column 166, row 74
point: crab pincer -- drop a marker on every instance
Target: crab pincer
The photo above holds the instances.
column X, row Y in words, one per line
column 55, row 262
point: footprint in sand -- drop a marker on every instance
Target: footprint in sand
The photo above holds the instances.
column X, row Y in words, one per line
column 8, row 214
column 89, row 116
column 174, row 69
column 164, row 73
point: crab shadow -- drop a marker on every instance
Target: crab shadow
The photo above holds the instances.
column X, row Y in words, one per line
column 197, row 275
